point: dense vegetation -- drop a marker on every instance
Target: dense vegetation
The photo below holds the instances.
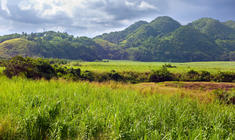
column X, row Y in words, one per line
column 51, row 45
column 48, row 69
column 77, row 110
column 163, row 39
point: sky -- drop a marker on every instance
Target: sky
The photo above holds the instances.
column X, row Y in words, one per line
column 94, row 17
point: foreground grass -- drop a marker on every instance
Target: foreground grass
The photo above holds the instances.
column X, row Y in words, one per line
column 71, row 110
column 135, row 66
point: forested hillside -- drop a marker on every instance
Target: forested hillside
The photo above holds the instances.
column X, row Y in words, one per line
column 51, row 45
column 163, row 39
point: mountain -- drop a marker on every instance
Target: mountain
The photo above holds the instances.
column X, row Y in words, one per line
column 17, row 46
column 163, row 39
column 116, row 37
column 230, row 24
column 214, row 28
column 51, row 45
column 187, row 43
column 158, row 27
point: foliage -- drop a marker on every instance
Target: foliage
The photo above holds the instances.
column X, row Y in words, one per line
column 30, row 68
column 205, row 76
column 115, row 76
column 52, row 45
column 160, row 75
column 88, row 75
column 117, row 37
column 169, row 66
column 162, row 39
column 225, row 77
column 39, row 68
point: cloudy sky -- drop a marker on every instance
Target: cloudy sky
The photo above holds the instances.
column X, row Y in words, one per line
column 93, row 17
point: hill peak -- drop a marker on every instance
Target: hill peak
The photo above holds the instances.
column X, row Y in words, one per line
column 230, row 23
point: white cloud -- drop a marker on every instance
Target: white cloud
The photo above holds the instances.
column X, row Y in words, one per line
column 86, row 17
column 52, row 7
column 4, row 6
column 129, row 4
column 145, row 6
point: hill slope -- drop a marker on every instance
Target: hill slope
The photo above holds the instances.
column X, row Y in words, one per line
column 52, row 45
column 17, row 46
column 117, row 37
column 214, row 28
column 162, row 39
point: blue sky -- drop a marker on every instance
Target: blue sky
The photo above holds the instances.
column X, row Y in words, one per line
column 93, row 17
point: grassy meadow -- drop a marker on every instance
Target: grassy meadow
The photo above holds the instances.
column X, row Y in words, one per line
column 64, row 109
column 80, row 110
column 135, row 66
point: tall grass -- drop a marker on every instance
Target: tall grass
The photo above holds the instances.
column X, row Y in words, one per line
column 79, row 110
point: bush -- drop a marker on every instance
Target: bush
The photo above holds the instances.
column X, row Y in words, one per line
column 115, row 76
column 205, row 76
column 169, row 66
column 38, row 68
column 193, row 75
column 58, row 61
column 30, row 68
column 87, row 75
column 225, row 77
column 160, row 75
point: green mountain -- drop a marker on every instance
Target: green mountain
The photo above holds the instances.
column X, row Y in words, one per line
column 51, row 45
column 158, row 27
column 17, row 46
column 187, row 43
column 230, row 24
column 117, row 37
column 162, row 39
column 214, row 28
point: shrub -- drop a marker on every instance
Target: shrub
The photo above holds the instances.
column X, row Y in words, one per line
column 58, row 61
column 169, row 66
column 115, row 76
column 225, row 77
column 205, row 76
column 30, row 68
column 191, row 75
column 2, row 62
column 88, row 75
column 160, row 75
column 75, row 72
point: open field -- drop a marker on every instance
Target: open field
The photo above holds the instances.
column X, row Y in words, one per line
column 136, row 66
column 67, row 109
column 120, row 66
column 81, row 110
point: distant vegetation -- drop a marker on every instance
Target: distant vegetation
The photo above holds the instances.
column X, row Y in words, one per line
column 163, row 39
column 49, row 68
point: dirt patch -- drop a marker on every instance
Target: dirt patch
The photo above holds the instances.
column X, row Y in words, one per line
column 202, row 85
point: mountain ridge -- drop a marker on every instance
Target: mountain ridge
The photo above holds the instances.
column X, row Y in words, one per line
column 163, row 39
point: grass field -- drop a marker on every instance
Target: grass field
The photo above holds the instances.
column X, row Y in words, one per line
column 81, row 110
column 63, row 109
column 120, row 66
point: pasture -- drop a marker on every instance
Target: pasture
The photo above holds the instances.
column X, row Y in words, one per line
column 59, row 109
column 135, row 66
column 66, row 109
